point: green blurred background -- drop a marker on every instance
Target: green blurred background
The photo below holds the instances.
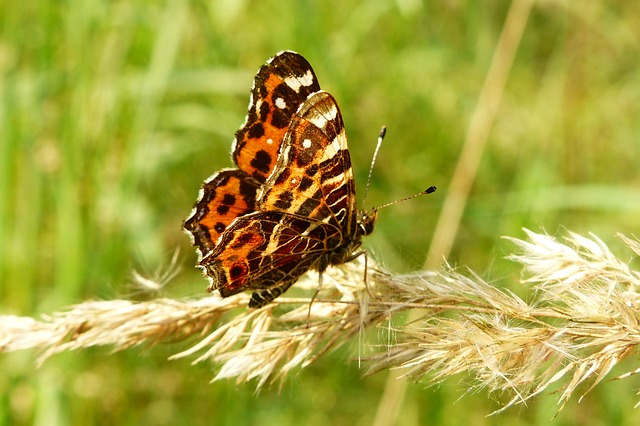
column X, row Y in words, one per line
column 113, row 113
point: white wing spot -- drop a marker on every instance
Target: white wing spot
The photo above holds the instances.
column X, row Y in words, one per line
column 335, row 146
column 269, row 141
column 293, row 181
column 318, row 120
column 296, row 82
column 321, row 118
column 306, row 143
column 293, row 83
column 307, row 79
column 333, row 111
column 280, row 103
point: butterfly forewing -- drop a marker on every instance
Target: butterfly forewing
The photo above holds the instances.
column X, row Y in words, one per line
column 279, row 88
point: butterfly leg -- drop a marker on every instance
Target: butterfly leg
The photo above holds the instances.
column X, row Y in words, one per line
column 366, row 268
column 261, row 298
column 315, row 294
column 366, row 272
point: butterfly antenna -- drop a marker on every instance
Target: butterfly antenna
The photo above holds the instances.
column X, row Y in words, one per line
column 383, row 132
column 429, row 190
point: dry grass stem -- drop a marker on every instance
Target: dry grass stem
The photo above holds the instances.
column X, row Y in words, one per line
column 582, row 322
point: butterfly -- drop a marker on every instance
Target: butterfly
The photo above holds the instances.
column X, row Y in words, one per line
column 290, row 205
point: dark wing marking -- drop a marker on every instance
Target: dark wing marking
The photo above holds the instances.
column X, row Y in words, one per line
column 279, row 88
column 225, row 196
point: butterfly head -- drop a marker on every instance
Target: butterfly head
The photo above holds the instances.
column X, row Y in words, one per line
column 366, row 221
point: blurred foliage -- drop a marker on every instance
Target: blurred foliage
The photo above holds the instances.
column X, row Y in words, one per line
column 112, row 114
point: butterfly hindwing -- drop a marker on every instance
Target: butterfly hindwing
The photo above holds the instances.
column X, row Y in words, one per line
column 225, row 196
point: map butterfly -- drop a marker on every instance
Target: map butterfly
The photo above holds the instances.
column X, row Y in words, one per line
column 290, row 205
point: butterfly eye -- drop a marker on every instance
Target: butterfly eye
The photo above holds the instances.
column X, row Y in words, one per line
column 367, row 222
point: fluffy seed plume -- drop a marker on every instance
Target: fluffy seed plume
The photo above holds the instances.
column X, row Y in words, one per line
column 583, row 321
